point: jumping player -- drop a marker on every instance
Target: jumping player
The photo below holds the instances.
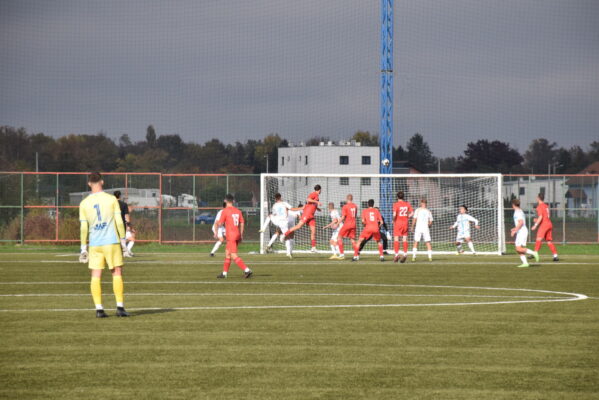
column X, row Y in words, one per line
column 372, row 220
column 463, row 224
column 421, row 222
column 336, row 226
column 348, row 221
column 402, row 212
column 312, row 203
column 279, row 218
column 234, row 223
column 100, row 217
column 521, row 233
column 543, row 222
column 292, row 216
column 219, row 232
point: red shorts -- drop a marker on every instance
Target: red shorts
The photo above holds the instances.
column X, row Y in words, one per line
column 232, row 245
column 400, row 229
column 348, row 232
column 376, row 235
column 545, row 233
column 309, row 220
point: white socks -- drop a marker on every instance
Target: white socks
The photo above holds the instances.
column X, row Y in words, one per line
column 529, row 251
column 523, row 258
column 216, row 246
column 333, row 249
column 288, row 246
column 430, row 254
column 471, row 246
column 99, row 307
column 119, row 304
column 272, row 239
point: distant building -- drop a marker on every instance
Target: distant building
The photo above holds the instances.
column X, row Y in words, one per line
column 583, row 191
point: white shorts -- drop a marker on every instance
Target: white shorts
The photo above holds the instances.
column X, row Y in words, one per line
column 424, row 235
column 521, row 237
column 462, row 236
column 282, row 225
column 335, row 233
column 128, row 235
column 220, row 232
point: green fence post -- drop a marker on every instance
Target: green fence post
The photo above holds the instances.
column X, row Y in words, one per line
column 193, row 208
column 22, row 210
column 564, row 211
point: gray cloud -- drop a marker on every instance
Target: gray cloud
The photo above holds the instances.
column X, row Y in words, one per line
column 464, row 70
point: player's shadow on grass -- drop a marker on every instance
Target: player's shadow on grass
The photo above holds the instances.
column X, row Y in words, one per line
column 148, row 312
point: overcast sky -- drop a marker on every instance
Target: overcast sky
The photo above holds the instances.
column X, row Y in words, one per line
column 512, row 70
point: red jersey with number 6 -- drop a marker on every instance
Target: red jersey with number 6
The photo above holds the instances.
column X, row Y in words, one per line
column 232, row 218
column 349, row 211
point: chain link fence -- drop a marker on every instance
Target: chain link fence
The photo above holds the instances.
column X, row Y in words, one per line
column 165, row 208
column 180, row 208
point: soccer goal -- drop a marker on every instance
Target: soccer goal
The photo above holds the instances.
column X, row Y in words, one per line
column 445, row 193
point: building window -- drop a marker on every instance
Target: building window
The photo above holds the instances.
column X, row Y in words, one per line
column 344, row 181
column 282, row 160
column 521, row 191
column 365, row 181
column 306, row 160
column 365, row 160
column 343, row 160
column 542, row 190
column 364, row 204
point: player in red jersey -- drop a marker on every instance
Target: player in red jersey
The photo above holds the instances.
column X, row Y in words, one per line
column 545, row 226
column 234, row 223
column 349, row 213
column 312, row 203
column 402, row 212
column 372, row 220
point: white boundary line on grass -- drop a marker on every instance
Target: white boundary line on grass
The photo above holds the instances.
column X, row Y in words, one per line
column 571, row 297
column 420, row 261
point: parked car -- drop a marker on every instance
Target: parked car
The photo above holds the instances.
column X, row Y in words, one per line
column 205, row 218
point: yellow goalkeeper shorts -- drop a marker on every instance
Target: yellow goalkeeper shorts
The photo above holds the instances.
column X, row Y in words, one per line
column 110, row 254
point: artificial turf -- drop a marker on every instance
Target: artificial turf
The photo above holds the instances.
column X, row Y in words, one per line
column 190, row 337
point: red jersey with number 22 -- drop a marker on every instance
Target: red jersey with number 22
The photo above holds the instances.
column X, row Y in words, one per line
column 232, row 218
column 402, row 210
column 310, row 208
column 349, row 211
column 371, row 217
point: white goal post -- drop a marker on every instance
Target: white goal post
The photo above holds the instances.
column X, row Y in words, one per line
column 445, row 193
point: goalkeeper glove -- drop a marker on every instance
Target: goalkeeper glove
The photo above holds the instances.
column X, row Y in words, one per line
column 84, row 256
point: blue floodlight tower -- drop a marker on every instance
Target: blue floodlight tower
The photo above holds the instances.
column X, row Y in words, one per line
column 386, row 124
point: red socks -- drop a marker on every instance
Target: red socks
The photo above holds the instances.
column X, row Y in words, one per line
column 340, row 244
column 538, row 244
column 240, row 263
column 356, row 250
column 552, row 248
column 227, row 264
column 380, row 249
column 405, row 247
column 396, row 247
column 314, row 243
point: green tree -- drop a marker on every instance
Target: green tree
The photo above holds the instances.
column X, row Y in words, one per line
column 486, row 156
column 366, row 138
column 151, row 136
column 540, row 154
column 419, row 154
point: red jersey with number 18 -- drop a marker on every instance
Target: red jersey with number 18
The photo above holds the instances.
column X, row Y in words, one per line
column 232, row 218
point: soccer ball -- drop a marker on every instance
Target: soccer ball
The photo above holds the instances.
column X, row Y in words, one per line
column 385, row 162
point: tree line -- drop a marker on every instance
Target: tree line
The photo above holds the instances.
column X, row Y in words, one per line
column 169, row 153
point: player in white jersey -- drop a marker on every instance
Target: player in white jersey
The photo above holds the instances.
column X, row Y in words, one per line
column 292, row 216
column 218, row 231
column 421, row 222
column 462, row 223
column 521, row 233
column 336, row 226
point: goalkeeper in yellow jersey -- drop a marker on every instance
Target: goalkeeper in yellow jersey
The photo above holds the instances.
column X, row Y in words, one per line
column 100, row 217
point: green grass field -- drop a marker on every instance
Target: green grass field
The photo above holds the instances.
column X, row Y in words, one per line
column 461, row 327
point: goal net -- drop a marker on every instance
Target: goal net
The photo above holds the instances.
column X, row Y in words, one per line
column 445, row 193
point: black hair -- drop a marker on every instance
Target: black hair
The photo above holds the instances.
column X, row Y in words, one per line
column 224, row 204
column 94, row 177
column 465, row 208
column 229, row 198
column 400, row 195
column 277, row 196
column 317, row 188
column 541, row 196
column 371, row 203
column 117, row 194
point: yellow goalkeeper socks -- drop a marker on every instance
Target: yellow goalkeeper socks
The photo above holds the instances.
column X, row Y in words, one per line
column 118, row 289
column 96, row 289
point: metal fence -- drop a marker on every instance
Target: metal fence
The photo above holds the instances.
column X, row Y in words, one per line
column 180, row 208
column 165, row 208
